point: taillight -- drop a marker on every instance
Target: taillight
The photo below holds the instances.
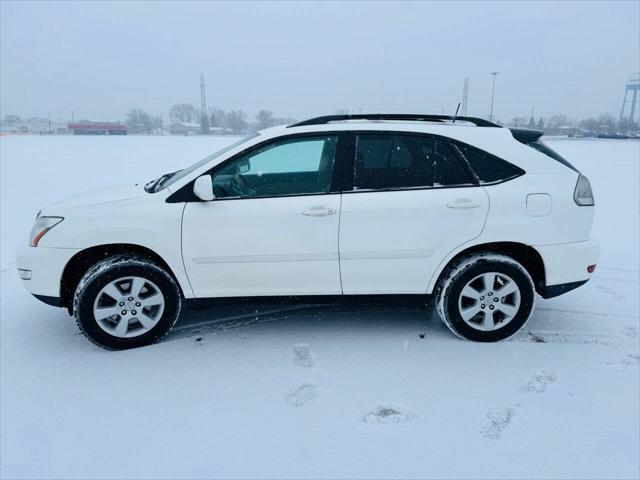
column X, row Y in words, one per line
column 582, row 194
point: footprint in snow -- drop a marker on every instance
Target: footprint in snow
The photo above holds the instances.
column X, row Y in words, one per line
column 538, row 383
column 387, row 414
column 497, row 420
column 630, row 332
column 301, row 395
column 302, row 355
column 628, row 360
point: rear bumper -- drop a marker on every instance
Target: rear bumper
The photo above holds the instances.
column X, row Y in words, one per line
column 565, row 265
column 43, row 267
column 53, row 301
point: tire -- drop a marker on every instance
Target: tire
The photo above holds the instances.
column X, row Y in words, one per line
column 148, row 296
column 474, row 309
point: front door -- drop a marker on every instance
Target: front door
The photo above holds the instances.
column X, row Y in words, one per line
column 413, row 201
column 272, row 228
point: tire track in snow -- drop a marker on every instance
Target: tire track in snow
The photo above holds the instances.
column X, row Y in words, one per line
column 586, row 312
column 574, row 338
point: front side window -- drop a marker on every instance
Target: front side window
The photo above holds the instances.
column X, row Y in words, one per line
column 392, row 161
column 171, row 178
column 289, row 167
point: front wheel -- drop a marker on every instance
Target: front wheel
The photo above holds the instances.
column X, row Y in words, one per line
column 486, row 297
column 126, row 302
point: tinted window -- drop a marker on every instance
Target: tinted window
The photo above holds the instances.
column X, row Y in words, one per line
column 488, row 168
column 393, row 161
column 289, row 167
column 406, row 161
column 449, row 168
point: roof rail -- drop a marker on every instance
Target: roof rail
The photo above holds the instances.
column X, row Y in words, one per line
column 480, row 122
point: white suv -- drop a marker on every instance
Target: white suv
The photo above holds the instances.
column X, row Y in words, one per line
column 481, row 216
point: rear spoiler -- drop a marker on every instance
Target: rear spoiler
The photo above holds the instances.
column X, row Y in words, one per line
column 526, row 135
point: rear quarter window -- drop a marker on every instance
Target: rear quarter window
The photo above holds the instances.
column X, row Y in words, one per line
column 488, row 168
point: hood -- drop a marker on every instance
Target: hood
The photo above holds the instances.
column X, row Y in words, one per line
column 101, row 195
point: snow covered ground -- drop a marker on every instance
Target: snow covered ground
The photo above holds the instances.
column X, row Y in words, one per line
column 377, row 391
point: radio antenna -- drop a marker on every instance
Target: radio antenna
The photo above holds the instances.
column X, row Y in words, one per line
column 456, row 114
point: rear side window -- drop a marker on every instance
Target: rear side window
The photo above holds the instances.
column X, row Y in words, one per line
column 449, row 169
column 488, row 168
column 386, row 161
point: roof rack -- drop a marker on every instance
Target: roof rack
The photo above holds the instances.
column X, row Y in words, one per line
column 479, row 122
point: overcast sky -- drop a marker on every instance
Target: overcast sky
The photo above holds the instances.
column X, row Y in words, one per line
column 98, row 59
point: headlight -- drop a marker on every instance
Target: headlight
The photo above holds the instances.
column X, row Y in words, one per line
column 41, row 227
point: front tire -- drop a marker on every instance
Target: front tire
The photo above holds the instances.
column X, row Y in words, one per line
column 126, row 302
column 485, row 297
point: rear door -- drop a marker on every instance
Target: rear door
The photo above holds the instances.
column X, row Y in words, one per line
column 413, row 200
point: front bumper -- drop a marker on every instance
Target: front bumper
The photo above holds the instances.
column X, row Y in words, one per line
column 41, row 268
column 565, row 264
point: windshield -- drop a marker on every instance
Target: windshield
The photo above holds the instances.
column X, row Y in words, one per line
column 167, row 179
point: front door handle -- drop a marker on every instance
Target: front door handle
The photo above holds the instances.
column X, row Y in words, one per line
column 318, row 212
column 463, row 203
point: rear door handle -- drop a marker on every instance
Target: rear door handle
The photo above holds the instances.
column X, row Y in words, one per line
column 318, row 212
column 463, row 203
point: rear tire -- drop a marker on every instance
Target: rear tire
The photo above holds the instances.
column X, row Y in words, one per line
column 485, row 297
column 126, row 302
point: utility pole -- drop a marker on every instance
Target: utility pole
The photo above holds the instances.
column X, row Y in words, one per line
column 204, row 121
column 465, row 97
column 493, row 91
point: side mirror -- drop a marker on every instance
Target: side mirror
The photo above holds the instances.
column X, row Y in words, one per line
column 203, row 188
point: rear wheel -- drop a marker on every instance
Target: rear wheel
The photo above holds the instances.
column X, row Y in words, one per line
column 486, row 297
column 125, row 302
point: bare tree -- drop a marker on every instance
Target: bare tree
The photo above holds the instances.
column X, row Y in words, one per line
column 237, row 121
column 519, row 121
column 184, row 112
column 607, row 122
column 558, row 121
column 138, row 120
column 590, row 124
column 264, row 119
column 11, row 119
column 218, row 118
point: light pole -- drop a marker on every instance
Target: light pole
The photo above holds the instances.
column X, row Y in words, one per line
column 493, row 91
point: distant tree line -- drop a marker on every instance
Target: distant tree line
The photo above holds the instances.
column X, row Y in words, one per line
column 232, row 121
column 604, row 123
column 238, row 122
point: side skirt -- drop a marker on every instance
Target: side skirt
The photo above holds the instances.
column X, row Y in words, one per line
column 325, row 300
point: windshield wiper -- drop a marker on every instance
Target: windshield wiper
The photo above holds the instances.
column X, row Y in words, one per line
column 154, row 185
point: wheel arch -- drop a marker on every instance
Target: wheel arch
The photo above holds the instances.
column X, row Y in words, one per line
column 524, row 254
column 78, row 265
